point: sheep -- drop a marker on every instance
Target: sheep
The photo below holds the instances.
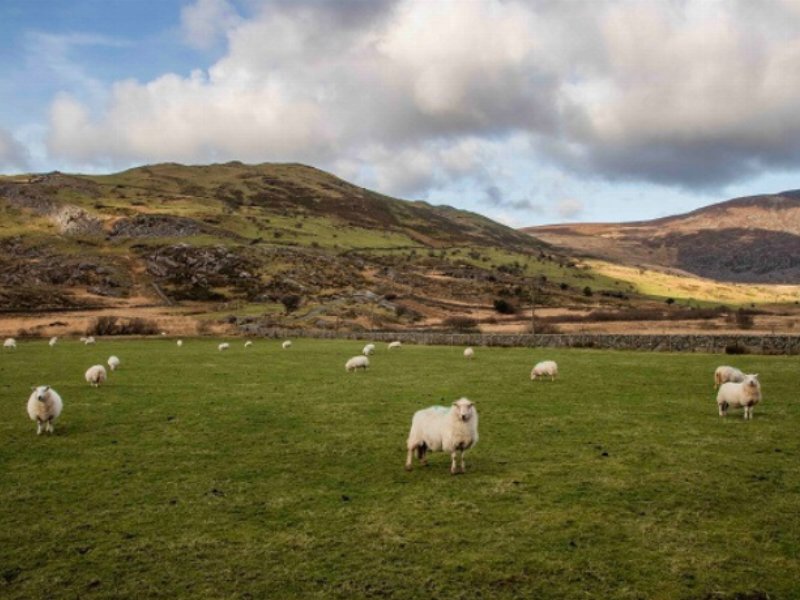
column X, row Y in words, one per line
column 223, row 346
column 724, row 373
column 95, row 375
column 44, row 407
column 469, row 353
column 368, row 349
column 286, row 345
column 355, row 363
column 248, row 343
column 439, row 428
column 746, row 393
column 113, row 363
column 83, row 340
column 53, row 341
column 179, row 343
column 394, row 344
column 88, row 340
column 546, row 367
column 10, row 344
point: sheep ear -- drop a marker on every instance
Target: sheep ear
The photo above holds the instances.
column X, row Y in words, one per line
column 47, row 388
column 755, row 376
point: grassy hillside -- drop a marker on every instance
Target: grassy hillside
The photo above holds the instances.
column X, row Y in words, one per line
column 270, row 473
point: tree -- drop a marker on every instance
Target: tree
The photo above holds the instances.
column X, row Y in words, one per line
column 291, row 302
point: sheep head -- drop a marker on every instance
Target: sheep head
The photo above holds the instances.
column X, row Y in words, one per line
column 464, row 409
column 42, row 393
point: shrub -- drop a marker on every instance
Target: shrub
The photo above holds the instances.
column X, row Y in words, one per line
column 504, row 307
column 735, row 349
column 460, row 323
column 587, row 291
column 291, row 302
column 110, row 325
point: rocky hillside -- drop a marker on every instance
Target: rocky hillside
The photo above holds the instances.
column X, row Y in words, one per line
column 755, row 239
column 254, row 234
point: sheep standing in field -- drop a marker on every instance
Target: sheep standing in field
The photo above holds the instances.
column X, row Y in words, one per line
column 745, row 394
column 286, row 345
column 53, row 341
column 95, row 375
column 113, row 363
column 44, row 406
column 368, row 350
column 248, row 343
column 393, row 345
column 725, row 374
column 439, row 428
column 469, row 353
column 546, row 368
column 223, row 346
column 10, row 344
column 179, row 343
column 356, row 363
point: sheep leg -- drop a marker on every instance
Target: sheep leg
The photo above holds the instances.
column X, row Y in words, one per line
column 723, row 409
column 38, row 427
column 463, row 469
column 49, row 426
column 409, row 458
column 453, row 467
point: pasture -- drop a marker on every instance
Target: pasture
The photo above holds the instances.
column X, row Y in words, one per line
column 270, row 473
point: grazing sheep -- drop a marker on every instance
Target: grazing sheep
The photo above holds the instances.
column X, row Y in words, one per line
column 545, row 368
column 745, row 394
column 469, row 353
column 95, row 375
column 53, row 341
column 83, row 339
column 88, row 340
column 248, row 343
column 725, row 374
column 286, row 345
column 439, row 428
column 179, row 343
column 223, row 346
column 10, row 343
column 395, row 344
column 113, row 363
column 44, row 406
column 357, row 362
column 368, row 350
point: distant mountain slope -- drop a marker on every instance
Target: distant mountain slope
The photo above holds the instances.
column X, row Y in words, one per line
column 755, row 239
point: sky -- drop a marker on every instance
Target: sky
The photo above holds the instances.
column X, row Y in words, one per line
column 526, row 111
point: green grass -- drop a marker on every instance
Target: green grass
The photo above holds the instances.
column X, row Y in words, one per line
column 265, row 473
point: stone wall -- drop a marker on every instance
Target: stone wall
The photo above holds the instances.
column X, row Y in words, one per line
column 753, row 344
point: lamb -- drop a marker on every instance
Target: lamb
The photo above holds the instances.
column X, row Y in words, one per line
column 286, row 345
column 248, row 343
column 546, row 367
column 368, row 349
column 469, row 353
column 395, row 344
column 179, row 343
column 113, row 363
column 95, row 375
column 725, row 373
column 746, row 393
column 44, row 407
column 355, row 363
column 439, row 428
column 53, row 341
column 223, row 346
column 88, row 340
column 10, row 344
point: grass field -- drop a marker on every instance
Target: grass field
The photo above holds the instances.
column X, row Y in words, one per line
column 264, row 473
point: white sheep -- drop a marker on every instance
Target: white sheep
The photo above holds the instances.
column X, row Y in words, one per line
column 95, row 375
column 545, row 368
column 113, row 363
column 248, row 343
column 357, row 362
column 439, row 428
column 368, row 350
column 286, row 345
column 745, row 394
column 223, row 346
column 44, row 407
column 83, row 339
column 179, row 343
column 53, row 341
column 469, row 353
column 393, row 345
column 10, row 344
column 724, row 374
column 88, row 340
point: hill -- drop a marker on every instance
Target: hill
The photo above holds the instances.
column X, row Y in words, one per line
column 241, row 238
column 754, row 239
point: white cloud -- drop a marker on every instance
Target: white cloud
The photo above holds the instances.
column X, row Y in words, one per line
column 13, row 155
column 569, row 208
column 206, row 22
